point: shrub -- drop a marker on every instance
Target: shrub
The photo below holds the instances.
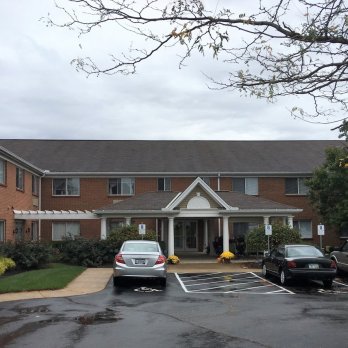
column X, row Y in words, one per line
column 27, row 255
column 129, row 232
column 256, row 240
column 6, row 264
column 95, row 253
column 85, row 252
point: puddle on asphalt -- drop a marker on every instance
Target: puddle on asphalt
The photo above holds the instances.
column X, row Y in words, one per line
column 108, row 316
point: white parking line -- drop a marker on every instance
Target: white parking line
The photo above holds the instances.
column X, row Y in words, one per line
column 335, row 281
column 280, row 287
column 242, row 279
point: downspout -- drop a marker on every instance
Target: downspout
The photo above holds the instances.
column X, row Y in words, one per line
column 218, row 188
column 40, row 197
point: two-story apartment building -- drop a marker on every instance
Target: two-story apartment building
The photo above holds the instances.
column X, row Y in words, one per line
column 188, row 191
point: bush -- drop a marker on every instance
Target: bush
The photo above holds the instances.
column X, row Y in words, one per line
column 6, row 264
column 27, row 255
column 95, row 253
column 257, row 241
column 85, row 252
column 129, row 232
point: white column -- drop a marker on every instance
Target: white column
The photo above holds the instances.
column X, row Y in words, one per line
column 206, row 240
column 284, row 221
column 162, row 230
column 128, row 221
column 170, row 236
column 266, row 220
column 291, row 221
column 103, row 228
column 226, row 237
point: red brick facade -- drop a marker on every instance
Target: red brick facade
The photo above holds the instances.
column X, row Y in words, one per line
column 94, row 194
column 13, row 198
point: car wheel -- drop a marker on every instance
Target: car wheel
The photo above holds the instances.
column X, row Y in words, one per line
column 115, row 281
column 163, row 281
column 264, row 271
column 283, row 279
column 327, row 283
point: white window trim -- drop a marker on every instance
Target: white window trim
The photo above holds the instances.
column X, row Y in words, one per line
column 299, row 229
column 298, row 187
column 66, row 187
column 165, row 188
column 246, row 185
column 2, row 238
column 122, row 194
column 3, row 168
column 20, row 170
column 66, row 223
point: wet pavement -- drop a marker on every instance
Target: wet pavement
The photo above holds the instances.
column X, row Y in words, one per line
column 144, row 314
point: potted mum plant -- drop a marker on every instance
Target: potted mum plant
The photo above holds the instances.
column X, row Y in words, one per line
column 173, row 259
column 225, row 257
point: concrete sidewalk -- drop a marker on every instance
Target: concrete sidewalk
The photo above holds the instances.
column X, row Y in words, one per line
column 95, row 279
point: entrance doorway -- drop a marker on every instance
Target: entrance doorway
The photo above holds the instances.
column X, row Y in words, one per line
column 185, row 235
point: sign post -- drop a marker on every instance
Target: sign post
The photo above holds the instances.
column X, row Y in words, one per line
column 321, row 233
column 268, row 232
column 142, row 230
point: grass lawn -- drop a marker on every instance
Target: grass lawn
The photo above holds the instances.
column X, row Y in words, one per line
column 55, row 276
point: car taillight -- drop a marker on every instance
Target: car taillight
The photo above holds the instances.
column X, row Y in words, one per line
column 292, row 264
column 119, row 258
column 161, row 259
column 333, row 264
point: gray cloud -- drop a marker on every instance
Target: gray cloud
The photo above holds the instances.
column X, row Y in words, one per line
column 42, row 96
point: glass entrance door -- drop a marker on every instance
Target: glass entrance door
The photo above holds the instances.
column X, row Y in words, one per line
column 185, row 235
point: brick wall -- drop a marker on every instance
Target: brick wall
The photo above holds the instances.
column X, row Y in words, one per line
column 12, row 198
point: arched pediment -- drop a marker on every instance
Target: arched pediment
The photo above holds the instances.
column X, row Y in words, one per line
column 198, row 202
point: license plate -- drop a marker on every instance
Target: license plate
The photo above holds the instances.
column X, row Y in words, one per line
column 139, row 261
column 313, row 266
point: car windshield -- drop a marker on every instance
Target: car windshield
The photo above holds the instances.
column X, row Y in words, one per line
column 303, row 251
column 140, row 247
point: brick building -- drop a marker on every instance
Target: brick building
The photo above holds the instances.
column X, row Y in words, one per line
column 188, row 191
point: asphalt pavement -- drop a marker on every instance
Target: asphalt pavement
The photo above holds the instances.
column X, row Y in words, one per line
column 93, row 280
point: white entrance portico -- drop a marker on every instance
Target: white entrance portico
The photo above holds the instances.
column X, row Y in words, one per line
column 190, row 219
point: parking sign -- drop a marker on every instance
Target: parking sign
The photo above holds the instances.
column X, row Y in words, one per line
column 321, row 230
column 142, row 228
column 268, row 230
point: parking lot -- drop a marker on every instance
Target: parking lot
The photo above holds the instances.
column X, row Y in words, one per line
column 252, row 283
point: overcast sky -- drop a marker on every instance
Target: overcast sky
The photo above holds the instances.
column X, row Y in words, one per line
column 43, row 96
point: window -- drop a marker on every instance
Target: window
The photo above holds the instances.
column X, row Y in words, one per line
column 304, row 227
column 344, row 231
column 249, row 186
column 2, row 172
column 2, row 231
column 296, row 186
column 66, row 187
column 35, row 185
column 164, row 184
column 121, row 186
column 61, row 230
column 20, row 179
column 34, row 231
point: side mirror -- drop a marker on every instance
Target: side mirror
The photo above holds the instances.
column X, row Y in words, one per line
column 266, row 253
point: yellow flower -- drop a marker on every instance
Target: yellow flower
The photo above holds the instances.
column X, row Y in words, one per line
column 173, row 259
column 226, row 255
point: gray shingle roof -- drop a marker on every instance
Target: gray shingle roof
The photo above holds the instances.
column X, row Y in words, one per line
column 195, row 157
column 146, row 201
column 242, row 201
column 150, row 201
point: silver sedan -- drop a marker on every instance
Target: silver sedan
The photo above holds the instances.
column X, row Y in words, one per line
column 140, row 259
